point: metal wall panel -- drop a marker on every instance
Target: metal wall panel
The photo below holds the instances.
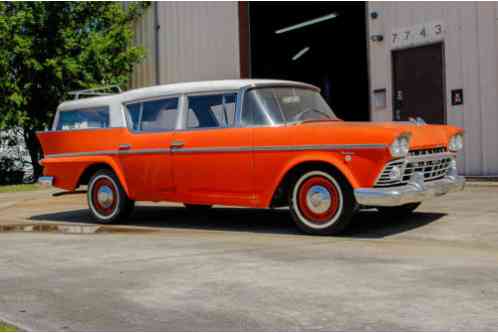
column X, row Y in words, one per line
column 471, row 63
column 197, row 41
column 144, row 74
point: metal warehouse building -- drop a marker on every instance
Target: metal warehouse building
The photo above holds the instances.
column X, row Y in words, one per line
column 374, row 61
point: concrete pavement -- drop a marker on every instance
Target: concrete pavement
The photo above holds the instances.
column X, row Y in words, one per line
column 240, row 269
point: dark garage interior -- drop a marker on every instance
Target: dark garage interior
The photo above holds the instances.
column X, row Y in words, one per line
column 319, row 43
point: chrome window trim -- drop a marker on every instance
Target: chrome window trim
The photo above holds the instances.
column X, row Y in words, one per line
column 150, row 99
column 82, row 129
column 246, row 89
column 183, row 125
column 142, row 101
column 58, row 112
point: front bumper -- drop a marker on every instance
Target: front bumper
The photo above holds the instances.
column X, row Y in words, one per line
column 46, row 181
column 412, row 192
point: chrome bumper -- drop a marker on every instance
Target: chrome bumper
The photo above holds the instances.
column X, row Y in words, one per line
column 46, row 181
column 412, row 192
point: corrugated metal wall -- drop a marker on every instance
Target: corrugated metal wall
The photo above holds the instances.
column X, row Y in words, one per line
column 471, row 58
column 197, row 41
column 144, row 74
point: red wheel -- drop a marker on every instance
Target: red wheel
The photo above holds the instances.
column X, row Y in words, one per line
column 319, row 199
column 107, row 199
column 321, row 202
column 104, row 196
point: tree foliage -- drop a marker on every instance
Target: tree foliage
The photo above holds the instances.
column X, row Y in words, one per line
column 50, row 48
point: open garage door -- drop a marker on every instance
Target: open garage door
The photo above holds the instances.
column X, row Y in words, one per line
column 319, row 43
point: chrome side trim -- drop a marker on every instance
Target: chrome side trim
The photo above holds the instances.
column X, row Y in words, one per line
column 84, row 153
column 213, row 150
column 112, row 152
column 331, row 147
column 277, row 148
column 222, row 150
column 144, row 151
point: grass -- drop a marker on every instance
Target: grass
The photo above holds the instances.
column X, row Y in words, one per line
column 7, row 328
column 18, row 188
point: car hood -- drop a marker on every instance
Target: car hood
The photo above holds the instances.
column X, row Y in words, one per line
column 422, row 135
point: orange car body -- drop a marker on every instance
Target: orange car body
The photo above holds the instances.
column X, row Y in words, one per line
column 237, row 165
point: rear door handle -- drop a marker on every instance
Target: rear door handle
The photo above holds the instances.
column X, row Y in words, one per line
column 177, row 144
column 124, row 147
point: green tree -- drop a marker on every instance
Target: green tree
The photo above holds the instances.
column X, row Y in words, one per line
column 48, row 49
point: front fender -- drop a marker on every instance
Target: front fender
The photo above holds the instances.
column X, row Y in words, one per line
column 335, row 159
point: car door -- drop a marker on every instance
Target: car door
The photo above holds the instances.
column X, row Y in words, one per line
column 146, row 156
column 212, row 158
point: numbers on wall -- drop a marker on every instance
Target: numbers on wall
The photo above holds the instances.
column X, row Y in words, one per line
column 417, row 34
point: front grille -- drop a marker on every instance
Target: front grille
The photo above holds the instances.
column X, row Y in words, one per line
column 424, row 152
column 434, row 163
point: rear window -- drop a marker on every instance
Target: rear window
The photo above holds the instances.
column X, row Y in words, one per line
column 85, row 118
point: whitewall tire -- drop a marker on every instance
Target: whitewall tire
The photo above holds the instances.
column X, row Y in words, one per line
column 321, row 202
column 107, row 199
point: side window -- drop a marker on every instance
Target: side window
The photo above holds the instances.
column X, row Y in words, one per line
column 261, row 108
column 85, row 118
column 134, row 115
column 152, row 116
column 211, row 111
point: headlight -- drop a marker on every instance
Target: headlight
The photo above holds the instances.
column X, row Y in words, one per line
column 456, row 142
column 401, row 146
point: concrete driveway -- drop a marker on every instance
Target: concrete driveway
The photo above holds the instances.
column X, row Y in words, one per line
column 239, row 269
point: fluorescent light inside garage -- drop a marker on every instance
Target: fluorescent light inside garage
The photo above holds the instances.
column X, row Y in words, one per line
column 307, row 23
column 300, row 53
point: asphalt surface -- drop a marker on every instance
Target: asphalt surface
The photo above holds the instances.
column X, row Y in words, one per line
column 241, row 269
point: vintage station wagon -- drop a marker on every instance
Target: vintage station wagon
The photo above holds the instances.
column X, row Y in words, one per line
column 252, row 143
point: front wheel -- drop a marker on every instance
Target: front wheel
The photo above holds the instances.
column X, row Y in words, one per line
column 399, row 211
column 107, row 199
column 322, row 203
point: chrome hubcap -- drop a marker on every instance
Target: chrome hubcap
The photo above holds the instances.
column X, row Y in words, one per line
column 318, row 199
column 105, row 196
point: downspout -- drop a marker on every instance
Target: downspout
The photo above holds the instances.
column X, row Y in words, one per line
column 156, row 43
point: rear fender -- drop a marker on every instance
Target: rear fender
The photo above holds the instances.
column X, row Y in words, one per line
column 68, row 170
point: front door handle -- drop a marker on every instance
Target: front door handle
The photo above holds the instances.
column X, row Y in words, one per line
column 177, row 144
column 124, row 147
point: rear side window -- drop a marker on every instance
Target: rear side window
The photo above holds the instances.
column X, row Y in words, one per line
column 153, row 116
column 211, row 111
column 84, row 118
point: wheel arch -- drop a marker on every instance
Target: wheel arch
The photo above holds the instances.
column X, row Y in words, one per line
column 102, row 164
column 299, row 166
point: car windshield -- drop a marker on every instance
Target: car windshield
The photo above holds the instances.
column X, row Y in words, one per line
column 291, row 105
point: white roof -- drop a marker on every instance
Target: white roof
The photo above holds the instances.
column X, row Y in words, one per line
column 171, row 89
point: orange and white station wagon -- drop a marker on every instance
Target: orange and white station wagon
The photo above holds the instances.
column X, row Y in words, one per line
column 252, row 143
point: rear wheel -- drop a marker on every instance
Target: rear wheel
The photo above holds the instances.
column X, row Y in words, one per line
column 322, row 203
column 107, row 199
column 399, row 211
